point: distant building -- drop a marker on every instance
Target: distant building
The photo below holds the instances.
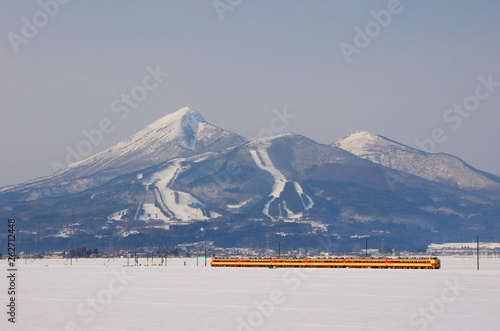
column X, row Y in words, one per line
column 464, row 249
column 56, row 255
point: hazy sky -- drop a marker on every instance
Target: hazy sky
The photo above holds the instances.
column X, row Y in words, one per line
column 335, row 66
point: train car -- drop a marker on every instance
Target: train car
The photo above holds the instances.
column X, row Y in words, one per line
column 385, row 263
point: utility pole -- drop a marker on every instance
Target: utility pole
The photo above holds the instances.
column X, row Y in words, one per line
column 205, row 243
column 73, row 231
column 267, row 244
column 205, row 254
column 67, row 252
column 37, row 236
column 366, row 246
column 279, row 249
column 70, row 237
column 477, row 252
column 197, row 253
column 110, row 246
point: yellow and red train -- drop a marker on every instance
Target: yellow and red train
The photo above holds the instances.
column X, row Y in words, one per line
column 385, row 263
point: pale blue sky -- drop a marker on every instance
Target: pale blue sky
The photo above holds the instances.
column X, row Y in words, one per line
column 263, row 55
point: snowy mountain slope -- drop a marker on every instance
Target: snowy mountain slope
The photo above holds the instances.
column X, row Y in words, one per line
column 176, row 205
column 267, row 178
column 263, row 161
column 261, row 177
column 168, row 205
column 181, row 173
column 292, row 177
column 182, row 133
column 440, row 167
column 179, row 134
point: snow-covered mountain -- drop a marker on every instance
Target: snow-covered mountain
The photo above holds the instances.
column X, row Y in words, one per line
column 179, row 134
column 261, row 177
column 288, row 177
column 436, row 167
column 264, row 178
column 181, row 171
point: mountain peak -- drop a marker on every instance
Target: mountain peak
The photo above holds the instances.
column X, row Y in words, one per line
column 441, row 168
column 185, row 114
column 360, row 135
column 187, row 111
column 366, row 134
column 362, row 141
column 357, row 140
column 265, row 140
column 179, row 134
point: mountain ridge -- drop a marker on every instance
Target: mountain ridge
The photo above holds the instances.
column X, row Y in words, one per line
column 178, row 134
column 438, row 167
column 181, row 172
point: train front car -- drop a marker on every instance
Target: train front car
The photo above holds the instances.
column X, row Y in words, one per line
column 435, row 262
column 414, row 263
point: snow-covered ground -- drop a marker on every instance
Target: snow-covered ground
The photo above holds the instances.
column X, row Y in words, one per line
column 103, row 295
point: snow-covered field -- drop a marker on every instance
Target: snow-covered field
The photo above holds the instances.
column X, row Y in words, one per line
column 96, row 294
